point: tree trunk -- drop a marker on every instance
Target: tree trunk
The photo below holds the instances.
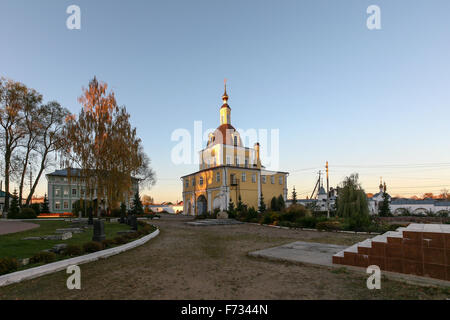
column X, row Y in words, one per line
column 24, row 170
column 36, row 181
column 7, row 167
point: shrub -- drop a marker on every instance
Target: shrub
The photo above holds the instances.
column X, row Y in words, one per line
column 131, row 235
column 43, row 256
column 24, row 213
column 330, row 225
column 252, row 215
column 116, row 212
column 357, row 223
column 8, row 265
column 307, row 222
column 107, row 243
column 443, row 214
column 231, row 214
column 287, row 224
column 27, row 213
column 295, row 212
column 120, row 240
column 92, row 246
column 270, row 217
column 36, row 207
column 73, row 250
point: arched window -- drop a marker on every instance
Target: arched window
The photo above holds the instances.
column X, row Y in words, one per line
column 235, row 140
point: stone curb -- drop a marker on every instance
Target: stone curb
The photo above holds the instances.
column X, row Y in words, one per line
column 316, row 230
column 32, row 273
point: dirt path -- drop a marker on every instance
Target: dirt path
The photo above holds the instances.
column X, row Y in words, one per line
column 187, row 262
column 16, row 226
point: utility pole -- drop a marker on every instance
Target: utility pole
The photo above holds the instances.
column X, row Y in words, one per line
column 328, row 194
column 317, row 186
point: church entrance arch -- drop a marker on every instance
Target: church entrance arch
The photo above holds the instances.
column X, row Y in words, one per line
column 202, row 205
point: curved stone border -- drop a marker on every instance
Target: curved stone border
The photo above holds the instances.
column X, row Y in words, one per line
column 32, row 273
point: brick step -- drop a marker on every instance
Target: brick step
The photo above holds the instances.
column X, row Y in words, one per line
column 418, row 249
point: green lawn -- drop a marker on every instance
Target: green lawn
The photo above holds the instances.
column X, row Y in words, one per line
column 12, row 245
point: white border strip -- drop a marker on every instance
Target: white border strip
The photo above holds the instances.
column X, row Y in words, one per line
column 32, row 273
column 316, row 230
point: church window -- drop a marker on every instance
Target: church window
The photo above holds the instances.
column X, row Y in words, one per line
column 244, row 177
column 235, row 140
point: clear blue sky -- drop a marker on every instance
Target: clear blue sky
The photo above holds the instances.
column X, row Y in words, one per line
column 364, row 100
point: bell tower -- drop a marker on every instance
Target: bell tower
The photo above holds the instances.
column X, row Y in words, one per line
column 225, row 111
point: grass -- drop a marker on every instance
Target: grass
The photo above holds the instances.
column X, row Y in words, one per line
column 12, row 245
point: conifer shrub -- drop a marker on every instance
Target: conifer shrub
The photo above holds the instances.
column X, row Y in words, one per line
column 27, row 213
column 43, row 256
column 73, row 250
column 8, row 265
column 108, row 243
column 92, row 246
column 120, row 240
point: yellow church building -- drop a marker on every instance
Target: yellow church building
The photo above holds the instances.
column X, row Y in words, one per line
column 228, row 170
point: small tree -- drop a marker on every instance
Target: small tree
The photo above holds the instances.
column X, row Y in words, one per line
column 262, row 204
column 137, row 205
column 352, row 203
column 385, row 210
column 123, row 209
column 240, row 205
column 14, row 210
column 274, row 204
column 231, row 206
column 281, row 203
column 36, row 207
column 231, row 210
column 45, row 207
column 294, row 196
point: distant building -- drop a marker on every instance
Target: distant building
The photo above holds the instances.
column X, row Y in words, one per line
column 397, row 205
column 402, row 205
column 435, row 206
column 377, row 199
column 320, row 203
column 165, row 207
column 63, row 191
column 2, row 200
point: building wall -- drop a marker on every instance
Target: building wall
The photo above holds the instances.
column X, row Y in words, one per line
column 271, row 187
column 64, row 192
column 219, row 193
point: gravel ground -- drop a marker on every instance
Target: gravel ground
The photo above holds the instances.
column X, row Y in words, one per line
column 7, row 227
column 188, row 262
